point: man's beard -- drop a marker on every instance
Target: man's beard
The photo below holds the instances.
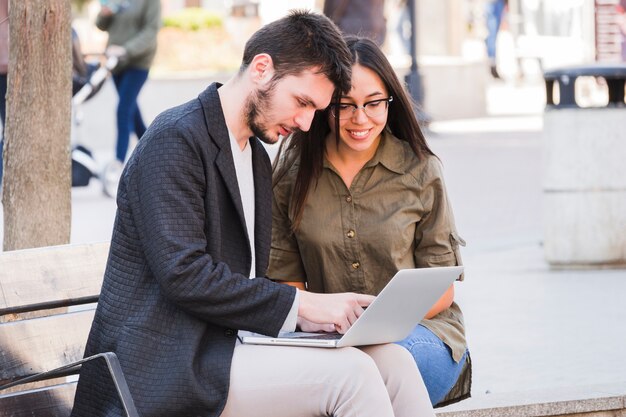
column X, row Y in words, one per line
column 255, row 109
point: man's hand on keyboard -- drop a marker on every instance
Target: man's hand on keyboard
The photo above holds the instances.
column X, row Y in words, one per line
column 308, row 326
column 340, row 309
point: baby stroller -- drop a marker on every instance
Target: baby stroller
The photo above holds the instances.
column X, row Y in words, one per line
column 87, row 80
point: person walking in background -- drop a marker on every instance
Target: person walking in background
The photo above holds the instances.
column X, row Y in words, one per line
column 494, row 10
column 403, row 24
column 4, row 67
column 192, row 231
column 360, row 196
column 132, row 26
column 359, row 17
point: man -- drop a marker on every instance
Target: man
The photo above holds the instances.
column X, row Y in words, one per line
column 193, row 224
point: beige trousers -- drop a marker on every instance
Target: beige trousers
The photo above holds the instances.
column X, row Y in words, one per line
column 280, row 381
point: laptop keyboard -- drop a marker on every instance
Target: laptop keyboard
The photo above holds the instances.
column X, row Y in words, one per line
column 325, row 336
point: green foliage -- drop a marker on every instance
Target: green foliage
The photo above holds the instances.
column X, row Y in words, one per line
column 79, row 4
column 193, row 18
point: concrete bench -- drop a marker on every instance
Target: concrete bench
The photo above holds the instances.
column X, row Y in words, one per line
column 47, row 302
column 590, row 401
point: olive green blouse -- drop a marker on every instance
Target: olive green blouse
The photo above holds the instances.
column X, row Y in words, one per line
column 395, row 215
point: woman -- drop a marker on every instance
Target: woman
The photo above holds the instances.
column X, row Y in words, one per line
column 133, row 26
column 360, row 196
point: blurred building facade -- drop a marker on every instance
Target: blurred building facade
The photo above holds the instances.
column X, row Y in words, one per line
column 558, row 30
column 536, row 35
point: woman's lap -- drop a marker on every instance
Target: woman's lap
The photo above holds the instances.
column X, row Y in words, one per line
column 434, row 360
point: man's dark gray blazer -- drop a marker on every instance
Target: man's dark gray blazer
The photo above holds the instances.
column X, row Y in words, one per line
column 173, row 289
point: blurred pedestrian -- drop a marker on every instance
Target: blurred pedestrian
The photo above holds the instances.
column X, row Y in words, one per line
column 4, row 66
column 403, row 25
column 494, row 9
column 359, row 17
column 132, row 26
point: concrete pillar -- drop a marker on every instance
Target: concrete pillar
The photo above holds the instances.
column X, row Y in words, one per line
column 440, row 25
column 454, row 85
column 585, row 186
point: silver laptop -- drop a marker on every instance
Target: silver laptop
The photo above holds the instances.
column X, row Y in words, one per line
column 399, row 307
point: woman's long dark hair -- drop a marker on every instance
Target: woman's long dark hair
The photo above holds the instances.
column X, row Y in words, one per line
column 307, row 148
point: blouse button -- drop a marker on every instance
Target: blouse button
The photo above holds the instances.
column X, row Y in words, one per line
column 350, row 234
column 349, row 199
column 356, row 265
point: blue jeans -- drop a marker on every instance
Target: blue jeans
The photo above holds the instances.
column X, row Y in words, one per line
column 493, row 11
column 434, row 360
column 128, row 84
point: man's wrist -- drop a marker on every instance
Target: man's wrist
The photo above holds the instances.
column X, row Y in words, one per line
column 292, row 318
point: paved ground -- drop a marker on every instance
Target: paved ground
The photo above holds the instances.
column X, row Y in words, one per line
column 529, row 327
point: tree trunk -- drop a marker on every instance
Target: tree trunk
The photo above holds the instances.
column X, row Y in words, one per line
column 37, row 176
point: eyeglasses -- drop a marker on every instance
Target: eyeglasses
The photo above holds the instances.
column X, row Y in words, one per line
column 374, row 108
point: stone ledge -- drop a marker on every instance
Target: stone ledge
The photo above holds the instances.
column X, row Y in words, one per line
column 597, row 401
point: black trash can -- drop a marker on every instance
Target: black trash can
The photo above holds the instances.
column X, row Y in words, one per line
column 565, row 79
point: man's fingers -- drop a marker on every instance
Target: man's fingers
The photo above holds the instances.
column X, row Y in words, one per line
column 329, row 328
column 351, row 316
column 308, row 326
column 342, row 326
column 340, row 309
column 364, row 300
column 359, row 311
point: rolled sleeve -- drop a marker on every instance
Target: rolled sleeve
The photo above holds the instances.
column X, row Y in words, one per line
column 436, row 239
